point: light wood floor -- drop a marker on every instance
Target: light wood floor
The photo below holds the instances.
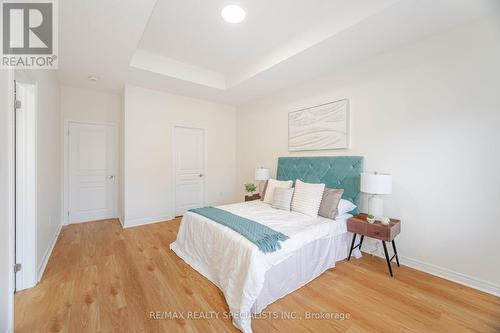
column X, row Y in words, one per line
column 101, row 278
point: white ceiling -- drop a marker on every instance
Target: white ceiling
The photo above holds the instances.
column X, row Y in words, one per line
column 99, row 38
column 193, row 31
column 184, row 46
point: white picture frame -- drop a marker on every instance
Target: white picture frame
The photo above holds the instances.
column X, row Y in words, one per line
column 321, row 127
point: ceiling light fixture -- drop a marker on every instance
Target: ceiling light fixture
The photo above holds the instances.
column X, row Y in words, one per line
column 92, row 78
column 233, row 14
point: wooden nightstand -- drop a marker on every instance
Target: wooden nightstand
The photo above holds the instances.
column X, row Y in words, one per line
column 358, row 225
column 255, row 196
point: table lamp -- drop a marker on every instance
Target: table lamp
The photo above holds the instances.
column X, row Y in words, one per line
column 376, row 184
column 261, row 175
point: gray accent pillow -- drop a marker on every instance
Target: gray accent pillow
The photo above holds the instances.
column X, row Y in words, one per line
column 282, row 198
column 330, row 202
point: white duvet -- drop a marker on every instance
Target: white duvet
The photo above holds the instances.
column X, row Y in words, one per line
column 235, row 264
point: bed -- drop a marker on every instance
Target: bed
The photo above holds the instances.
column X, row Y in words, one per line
column 251, row 279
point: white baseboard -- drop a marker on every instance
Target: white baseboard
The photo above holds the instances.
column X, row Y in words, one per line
column 448, row 274
column 445, row 273
column 130, row 223
column 48, row 252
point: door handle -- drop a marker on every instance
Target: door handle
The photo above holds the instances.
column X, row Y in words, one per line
column 201, row 175
column 110, row 177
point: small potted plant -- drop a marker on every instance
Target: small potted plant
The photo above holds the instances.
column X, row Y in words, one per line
column 370, row 218
column 250, row 188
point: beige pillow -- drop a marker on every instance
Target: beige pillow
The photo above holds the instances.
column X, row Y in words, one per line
column 307, row 198
column 282, row 198
column 271, row 185
column 330, row 202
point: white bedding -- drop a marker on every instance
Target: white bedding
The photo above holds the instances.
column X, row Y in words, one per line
column 235, row 264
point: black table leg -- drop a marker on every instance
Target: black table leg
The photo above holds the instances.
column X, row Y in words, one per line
column 387, row 258
column 395, row 251
column 352, row 246
column 361, row 241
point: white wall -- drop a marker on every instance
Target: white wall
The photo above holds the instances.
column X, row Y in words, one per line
column 6, row 202
column 429, row 113
column 149, row 118
column 49, row 160
column 93, row 106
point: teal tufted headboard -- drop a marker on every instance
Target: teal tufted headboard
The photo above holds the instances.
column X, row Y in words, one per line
column 334, row 171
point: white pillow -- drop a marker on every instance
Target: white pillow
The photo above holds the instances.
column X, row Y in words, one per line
column 307, row 198
column 345, row 206
column 282, row 198
column 271, row 185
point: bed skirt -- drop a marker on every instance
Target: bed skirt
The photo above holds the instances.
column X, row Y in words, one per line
column 298, row 270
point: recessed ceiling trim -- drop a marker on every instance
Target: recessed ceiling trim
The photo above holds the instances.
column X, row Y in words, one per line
column 152, row 62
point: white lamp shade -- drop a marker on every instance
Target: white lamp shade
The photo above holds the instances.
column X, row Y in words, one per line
column 376, row 183
column 261, row 174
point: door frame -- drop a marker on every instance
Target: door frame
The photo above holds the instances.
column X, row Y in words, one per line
column 66, row 189
column 25, row 222
column 174, row 164
column 11, row 165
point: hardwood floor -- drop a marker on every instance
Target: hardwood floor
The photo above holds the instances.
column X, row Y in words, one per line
column 101, row 278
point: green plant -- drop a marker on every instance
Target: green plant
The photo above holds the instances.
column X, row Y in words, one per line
column 370, row 216
column 250, row 188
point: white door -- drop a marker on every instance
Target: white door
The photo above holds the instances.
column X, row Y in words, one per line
column 25, row 188
column 189, row 162
column 92, row 181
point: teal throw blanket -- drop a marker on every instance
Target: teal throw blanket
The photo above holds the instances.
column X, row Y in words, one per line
column 266, row 239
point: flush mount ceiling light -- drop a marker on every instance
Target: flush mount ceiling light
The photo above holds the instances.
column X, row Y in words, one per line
column 233, row 14
column 92, row 78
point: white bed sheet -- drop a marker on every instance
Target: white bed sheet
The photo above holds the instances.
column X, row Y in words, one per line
column 235, row 264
